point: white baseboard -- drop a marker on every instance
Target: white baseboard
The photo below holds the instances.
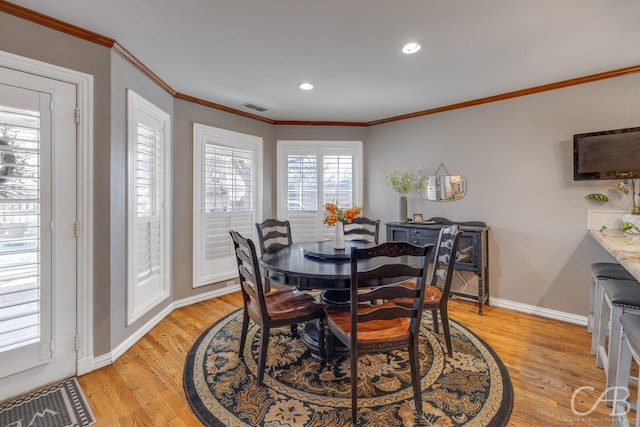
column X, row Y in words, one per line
column 85, row 365
column 205, row 296
column 543, row 312
column 102, row 361
column 109, row 358
column 91, row 364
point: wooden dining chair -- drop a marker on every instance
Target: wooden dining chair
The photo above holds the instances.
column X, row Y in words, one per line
column 273, row 234
column 367, row 328
column 436, row 295
column 362, row 228
column 270, row 310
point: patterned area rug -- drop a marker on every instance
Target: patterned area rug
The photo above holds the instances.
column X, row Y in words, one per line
column 472, row 388
column 60, row 405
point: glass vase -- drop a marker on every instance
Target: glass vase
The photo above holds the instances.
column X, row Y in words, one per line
column 338, row 238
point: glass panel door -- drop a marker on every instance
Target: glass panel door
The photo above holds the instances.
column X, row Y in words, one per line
column 25, row 309
column 38, row 231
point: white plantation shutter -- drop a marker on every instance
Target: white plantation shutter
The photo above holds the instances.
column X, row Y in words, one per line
column 24, row 313
column 148, row 276
column 337, row 180
column 302, row 196
column 149, row 249
column 149, row 187
column 226, row 173
column 312, row 173
column 304, row 226
column 217, row 241
column 337, row 183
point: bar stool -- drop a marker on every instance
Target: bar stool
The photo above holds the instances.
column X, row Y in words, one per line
column 629, row 347
column 618, row 297
column 601, row 271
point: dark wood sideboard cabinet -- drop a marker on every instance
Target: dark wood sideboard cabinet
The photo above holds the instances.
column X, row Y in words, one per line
column 473, row 252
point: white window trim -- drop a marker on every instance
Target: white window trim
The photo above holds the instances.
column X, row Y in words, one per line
column 135, row 308
column 293, row 147
column 201, row 134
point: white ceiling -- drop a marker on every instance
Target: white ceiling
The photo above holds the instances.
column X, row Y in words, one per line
column 235, row 51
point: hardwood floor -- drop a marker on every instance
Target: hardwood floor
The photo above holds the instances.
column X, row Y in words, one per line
column 547, row 360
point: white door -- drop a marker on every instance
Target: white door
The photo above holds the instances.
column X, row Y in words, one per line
column 37, row 231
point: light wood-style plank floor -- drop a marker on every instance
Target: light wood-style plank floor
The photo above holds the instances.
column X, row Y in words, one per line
column 547, row 360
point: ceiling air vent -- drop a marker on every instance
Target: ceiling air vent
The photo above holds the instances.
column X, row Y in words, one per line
column 254, row 106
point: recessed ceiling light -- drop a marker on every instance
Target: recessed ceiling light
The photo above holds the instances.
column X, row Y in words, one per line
column 306, row 86
column 411, row 47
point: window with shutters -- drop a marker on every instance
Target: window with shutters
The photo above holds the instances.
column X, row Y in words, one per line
column 21, row 240
column 312, row 173
column 226, row 167
column 149, row 209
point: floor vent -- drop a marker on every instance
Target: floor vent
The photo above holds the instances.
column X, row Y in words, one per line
column 253, row 106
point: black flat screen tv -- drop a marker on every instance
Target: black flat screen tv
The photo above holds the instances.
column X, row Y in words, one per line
column 611, row 154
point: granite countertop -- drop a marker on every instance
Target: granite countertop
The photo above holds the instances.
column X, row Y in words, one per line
column 624, row 247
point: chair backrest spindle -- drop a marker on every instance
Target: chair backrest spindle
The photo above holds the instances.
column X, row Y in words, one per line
column 273, row 234
column 362, row 228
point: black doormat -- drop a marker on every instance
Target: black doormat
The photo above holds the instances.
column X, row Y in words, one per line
column 60, row 405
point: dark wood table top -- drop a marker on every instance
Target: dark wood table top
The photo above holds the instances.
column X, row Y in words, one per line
column 315, row 265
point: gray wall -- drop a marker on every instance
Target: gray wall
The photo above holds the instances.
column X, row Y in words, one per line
column 517, row 158
column 123, row 77
column 515, row 155
column 186, row 114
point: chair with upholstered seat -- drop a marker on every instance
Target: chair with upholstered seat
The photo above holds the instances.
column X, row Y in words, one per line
column 629, row 349
column 437, row 293
column 285, row 307
column 619, row 297
column 273, row 234
column 363, row 229
column 376, row 275
column 600, row 273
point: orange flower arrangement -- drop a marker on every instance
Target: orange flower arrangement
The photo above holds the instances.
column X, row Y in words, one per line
column 336, row 214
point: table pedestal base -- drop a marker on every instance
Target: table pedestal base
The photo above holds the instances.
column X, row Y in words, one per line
column 310, row 338
column 331, row 298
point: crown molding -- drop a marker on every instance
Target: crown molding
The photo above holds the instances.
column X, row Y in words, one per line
column 314, row 123
column 131, row 59
column 210, row 104
column 38, row 18
column 47, row 21
column 514, row 94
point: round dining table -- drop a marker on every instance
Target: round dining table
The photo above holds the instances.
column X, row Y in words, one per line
column 315, row 266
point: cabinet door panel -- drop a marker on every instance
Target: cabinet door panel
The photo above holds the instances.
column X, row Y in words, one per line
column 467, row 260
